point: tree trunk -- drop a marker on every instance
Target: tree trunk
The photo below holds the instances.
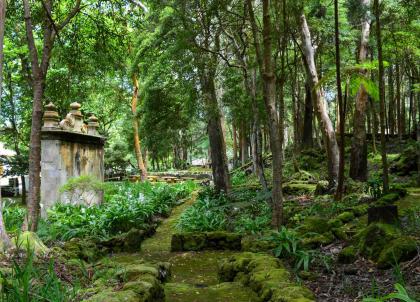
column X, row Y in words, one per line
column 307, row 139
column 328, row 133
column 381, row 97
column 4, row 238
column 391, row 108
column 375, row 124
column 398, row 99
column 269, row 93
column 340, row 186
column 358, row 155
column 135, row 121
column 244, row 143
column 219, row 162
column 235, row 145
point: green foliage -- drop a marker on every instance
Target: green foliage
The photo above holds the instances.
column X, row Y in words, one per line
column 238, row 178
column 290, row 246
column 207, row 214
column 34, row 283
column 126, row 205
column 13, row 216
column 374, row 186
column 401, row 294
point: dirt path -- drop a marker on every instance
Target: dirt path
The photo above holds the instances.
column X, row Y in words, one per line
column 194, row 274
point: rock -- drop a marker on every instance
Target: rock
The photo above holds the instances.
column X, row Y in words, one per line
column 389, row 198
column 134, row 271
column 255, row 244
column 304, row 176
column 30, row 241
column 353, row 186
column 265, row 275
column 340, row 233
column 315, row 241
column 84, row 249
column 335, row 223
column 298, row 188
column 384, row 214
column 360, row 210
column 375, row 237
column 398, row 250
column 315, row 224
column 322, row 188
column 406, row 162
column 347, row 255
column 114, row 296
column 346, row 217
column 127, row 242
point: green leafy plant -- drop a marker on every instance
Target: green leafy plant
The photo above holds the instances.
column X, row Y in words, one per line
column 374, row 187
column 400, row 294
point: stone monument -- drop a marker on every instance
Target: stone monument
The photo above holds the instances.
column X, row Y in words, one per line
column 70, row 148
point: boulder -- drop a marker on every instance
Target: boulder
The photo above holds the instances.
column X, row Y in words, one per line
column 398, row 250
column 29, row 241
column 347, row 255
column 346, row 216
column 85, row 249
column 197, row 241
column 322, row 188
column 129, row 242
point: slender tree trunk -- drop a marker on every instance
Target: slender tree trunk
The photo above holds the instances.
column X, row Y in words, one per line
column 269, row 93
column 135, row 121
column 375, row 124
column 326, row 126
column 398, row 99
column 235, row 145
column 244, row 143
column 4, row 238
column 381, row 96
column 340, row 186
column 307, row 139
column 219, row 162
column 391, row 108
column 358, row 155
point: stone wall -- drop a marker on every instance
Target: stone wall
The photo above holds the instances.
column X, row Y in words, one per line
column 70, row 148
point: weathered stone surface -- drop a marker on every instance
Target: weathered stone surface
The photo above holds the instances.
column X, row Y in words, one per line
column 398, row 250
column 265, row 275
column 67, row 153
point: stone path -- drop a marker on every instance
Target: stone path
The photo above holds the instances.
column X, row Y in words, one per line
column 194, row 274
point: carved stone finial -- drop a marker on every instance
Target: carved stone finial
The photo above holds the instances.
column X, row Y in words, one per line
column 77, row 115
column 93, row 125
column 51, row 117
column 75, row 106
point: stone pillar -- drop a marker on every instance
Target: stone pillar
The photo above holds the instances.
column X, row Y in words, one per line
column 69, row 149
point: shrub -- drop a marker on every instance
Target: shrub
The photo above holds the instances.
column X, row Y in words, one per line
column 13, row 216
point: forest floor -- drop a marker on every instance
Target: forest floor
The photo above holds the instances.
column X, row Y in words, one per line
column 194, row 275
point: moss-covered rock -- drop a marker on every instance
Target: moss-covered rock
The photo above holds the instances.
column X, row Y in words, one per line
column 84, row 249
column 346, row 216
column 304, row 176
column 256, row 244
column 347, row 255
column 114, row 296
column 360, row 210
column 30, row 241
column 134, row 271
column 322, row 188
column 398, row 250
column 298, row 188
column 340, row 233
column 314, row 224
column 388, row 198
column 265, row 275
column 126, row 242
column 406, row 162
column 375, row 237
column 335, row 223
column 317, row 240
column 198, row 241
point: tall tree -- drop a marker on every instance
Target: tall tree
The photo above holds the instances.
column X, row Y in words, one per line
column 385, row 177
column 358, row 161
column 328, row 133
column 340, row 186
column 265, row 62
column 39, row 75
column 4, row 238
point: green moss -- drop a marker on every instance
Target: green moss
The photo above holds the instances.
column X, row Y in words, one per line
column 340, row 233
column 314, row 224
column 315, row 241
column 134, row 271
column 84, row 249
column 360, row 210
column 298, row 188
column 335, row 223
column 322, row 188
column 305, row 176
column 400, row 249
column 375, row 237
column 197, row 241
column 346, row 216
column 347, row 255
column 114, row 296
column 292, row 294
column 256, row 244
column 30, row 241
column 388, row 199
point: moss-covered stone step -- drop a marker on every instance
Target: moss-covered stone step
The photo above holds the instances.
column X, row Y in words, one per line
column 222, row 292
column 199, row 241
column 266, row 276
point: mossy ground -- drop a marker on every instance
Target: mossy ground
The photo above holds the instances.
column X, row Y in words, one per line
column 194, row 275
